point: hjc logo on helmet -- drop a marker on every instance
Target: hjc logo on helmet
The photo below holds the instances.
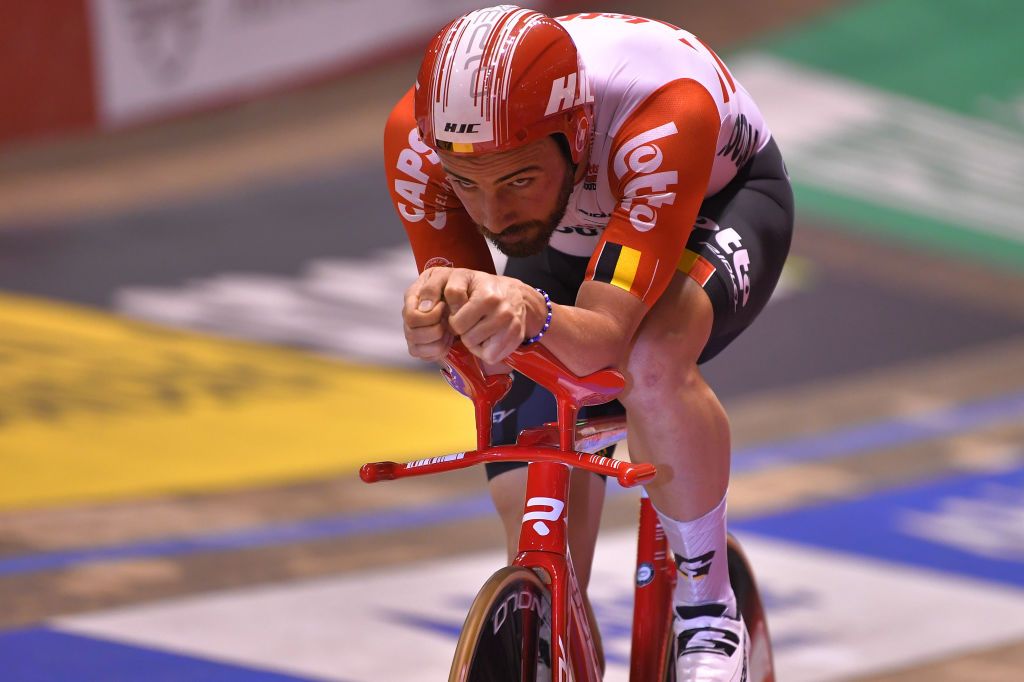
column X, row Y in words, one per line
column 461, row 128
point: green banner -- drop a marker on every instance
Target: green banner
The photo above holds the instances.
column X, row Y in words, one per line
column 904, row 118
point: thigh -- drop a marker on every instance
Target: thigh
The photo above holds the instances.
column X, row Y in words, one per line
column 739, row 245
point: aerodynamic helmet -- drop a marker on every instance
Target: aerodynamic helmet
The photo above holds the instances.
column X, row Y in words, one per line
column 501, row 77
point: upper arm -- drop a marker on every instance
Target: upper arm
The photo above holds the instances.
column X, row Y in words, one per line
column 659, row 169
column 439, row 229
column 621, row 308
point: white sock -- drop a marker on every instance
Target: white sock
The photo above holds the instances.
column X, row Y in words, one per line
column 700, row 551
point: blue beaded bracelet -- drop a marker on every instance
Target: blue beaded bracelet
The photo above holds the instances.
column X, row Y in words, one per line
column 547, row 322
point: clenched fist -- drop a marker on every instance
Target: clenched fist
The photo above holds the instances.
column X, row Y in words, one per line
column 490, row 313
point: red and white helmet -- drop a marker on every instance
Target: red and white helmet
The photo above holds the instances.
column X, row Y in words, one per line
column 501, row 77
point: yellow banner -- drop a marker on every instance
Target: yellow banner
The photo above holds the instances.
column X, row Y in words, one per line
column 95, row 407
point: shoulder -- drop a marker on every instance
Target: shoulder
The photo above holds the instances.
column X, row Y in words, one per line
column 400, row 124
column 680, row 104
column 630, row 60
column 671, row 132
column 632, row 53
column 405, row 154
column 413, row 170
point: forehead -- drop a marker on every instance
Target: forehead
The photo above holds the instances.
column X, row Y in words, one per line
column 544, row 153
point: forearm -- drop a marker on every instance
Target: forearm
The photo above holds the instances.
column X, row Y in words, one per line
column 585, row 340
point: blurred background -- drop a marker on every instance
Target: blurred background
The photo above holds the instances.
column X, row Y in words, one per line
column 200, row 284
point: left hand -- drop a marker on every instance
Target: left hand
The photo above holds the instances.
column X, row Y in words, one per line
column 488, row 312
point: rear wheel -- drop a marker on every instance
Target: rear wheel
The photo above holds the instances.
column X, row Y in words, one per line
column 668, row 656
column 748, row 599
column 507, row 633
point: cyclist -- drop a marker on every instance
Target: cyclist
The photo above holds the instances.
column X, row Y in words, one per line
column 646, row 213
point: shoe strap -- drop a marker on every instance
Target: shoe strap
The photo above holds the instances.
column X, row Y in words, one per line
column 712, row 610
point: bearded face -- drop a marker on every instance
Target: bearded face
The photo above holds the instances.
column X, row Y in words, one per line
column 515, row 198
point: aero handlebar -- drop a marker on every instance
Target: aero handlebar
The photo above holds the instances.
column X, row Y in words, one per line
column 559, row 441
column 628, row 475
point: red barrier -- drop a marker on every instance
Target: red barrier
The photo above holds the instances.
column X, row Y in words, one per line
column 46, row 69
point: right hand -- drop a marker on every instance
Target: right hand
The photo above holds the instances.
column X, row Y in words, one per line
column 425, row 318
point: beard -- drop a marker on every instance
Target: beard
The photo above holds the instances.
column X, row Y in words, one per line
column 530, row 237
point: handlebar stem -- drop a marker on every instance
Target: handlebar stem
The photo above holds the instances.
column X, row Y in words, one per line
column 463, row 371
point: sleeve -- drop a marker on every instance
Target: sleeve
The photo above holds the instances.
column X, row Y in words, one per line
column 439, row 229
column 659, row 167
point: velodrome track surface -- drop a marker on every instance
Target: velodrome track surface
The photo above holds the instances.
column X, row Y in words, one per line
column 199, row 342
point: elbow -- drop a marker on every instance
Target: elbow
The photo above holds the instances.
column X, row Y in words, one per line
column 593, row 360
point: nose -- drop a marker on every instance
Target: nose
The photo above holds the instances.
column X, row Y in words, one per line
column 496, row 216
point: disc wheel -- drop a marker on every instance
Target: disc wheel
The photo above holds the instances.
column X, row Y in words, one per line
column 507, row 633
column 748, row 599
column 668, row 654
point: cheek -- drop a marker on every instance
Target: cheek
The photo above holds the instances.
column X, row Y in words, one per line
column 522, row 204
column 547, row 195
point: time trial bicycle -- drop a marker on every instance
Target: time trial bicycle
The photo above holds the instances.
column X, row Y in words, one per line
column 529, row 621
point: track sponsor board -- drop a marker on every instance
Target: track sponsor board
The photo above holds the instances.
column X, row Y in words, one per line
column 153, row 58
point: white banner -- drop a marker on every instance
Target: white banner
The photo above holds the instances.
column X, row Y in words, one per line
column 154, row 57
column 832, row 616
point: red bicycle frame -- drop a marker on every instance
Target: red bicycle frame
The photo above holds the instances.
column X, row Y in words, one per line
column 543, row 546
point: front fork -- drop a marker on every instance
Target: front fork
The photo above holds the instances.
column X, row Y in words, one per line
column 652, row 606
column 543, row 544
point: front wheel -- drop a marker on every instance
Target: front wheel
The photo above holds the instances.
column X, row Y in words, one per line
column 507, row 633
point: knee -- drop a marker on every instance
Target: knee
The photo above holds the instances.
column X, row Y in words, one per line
column 657, row 370
column 663, row 357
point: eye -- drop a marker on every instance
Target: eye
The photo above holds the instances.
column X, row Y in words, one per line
column 464, row 184
column 521, row 182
